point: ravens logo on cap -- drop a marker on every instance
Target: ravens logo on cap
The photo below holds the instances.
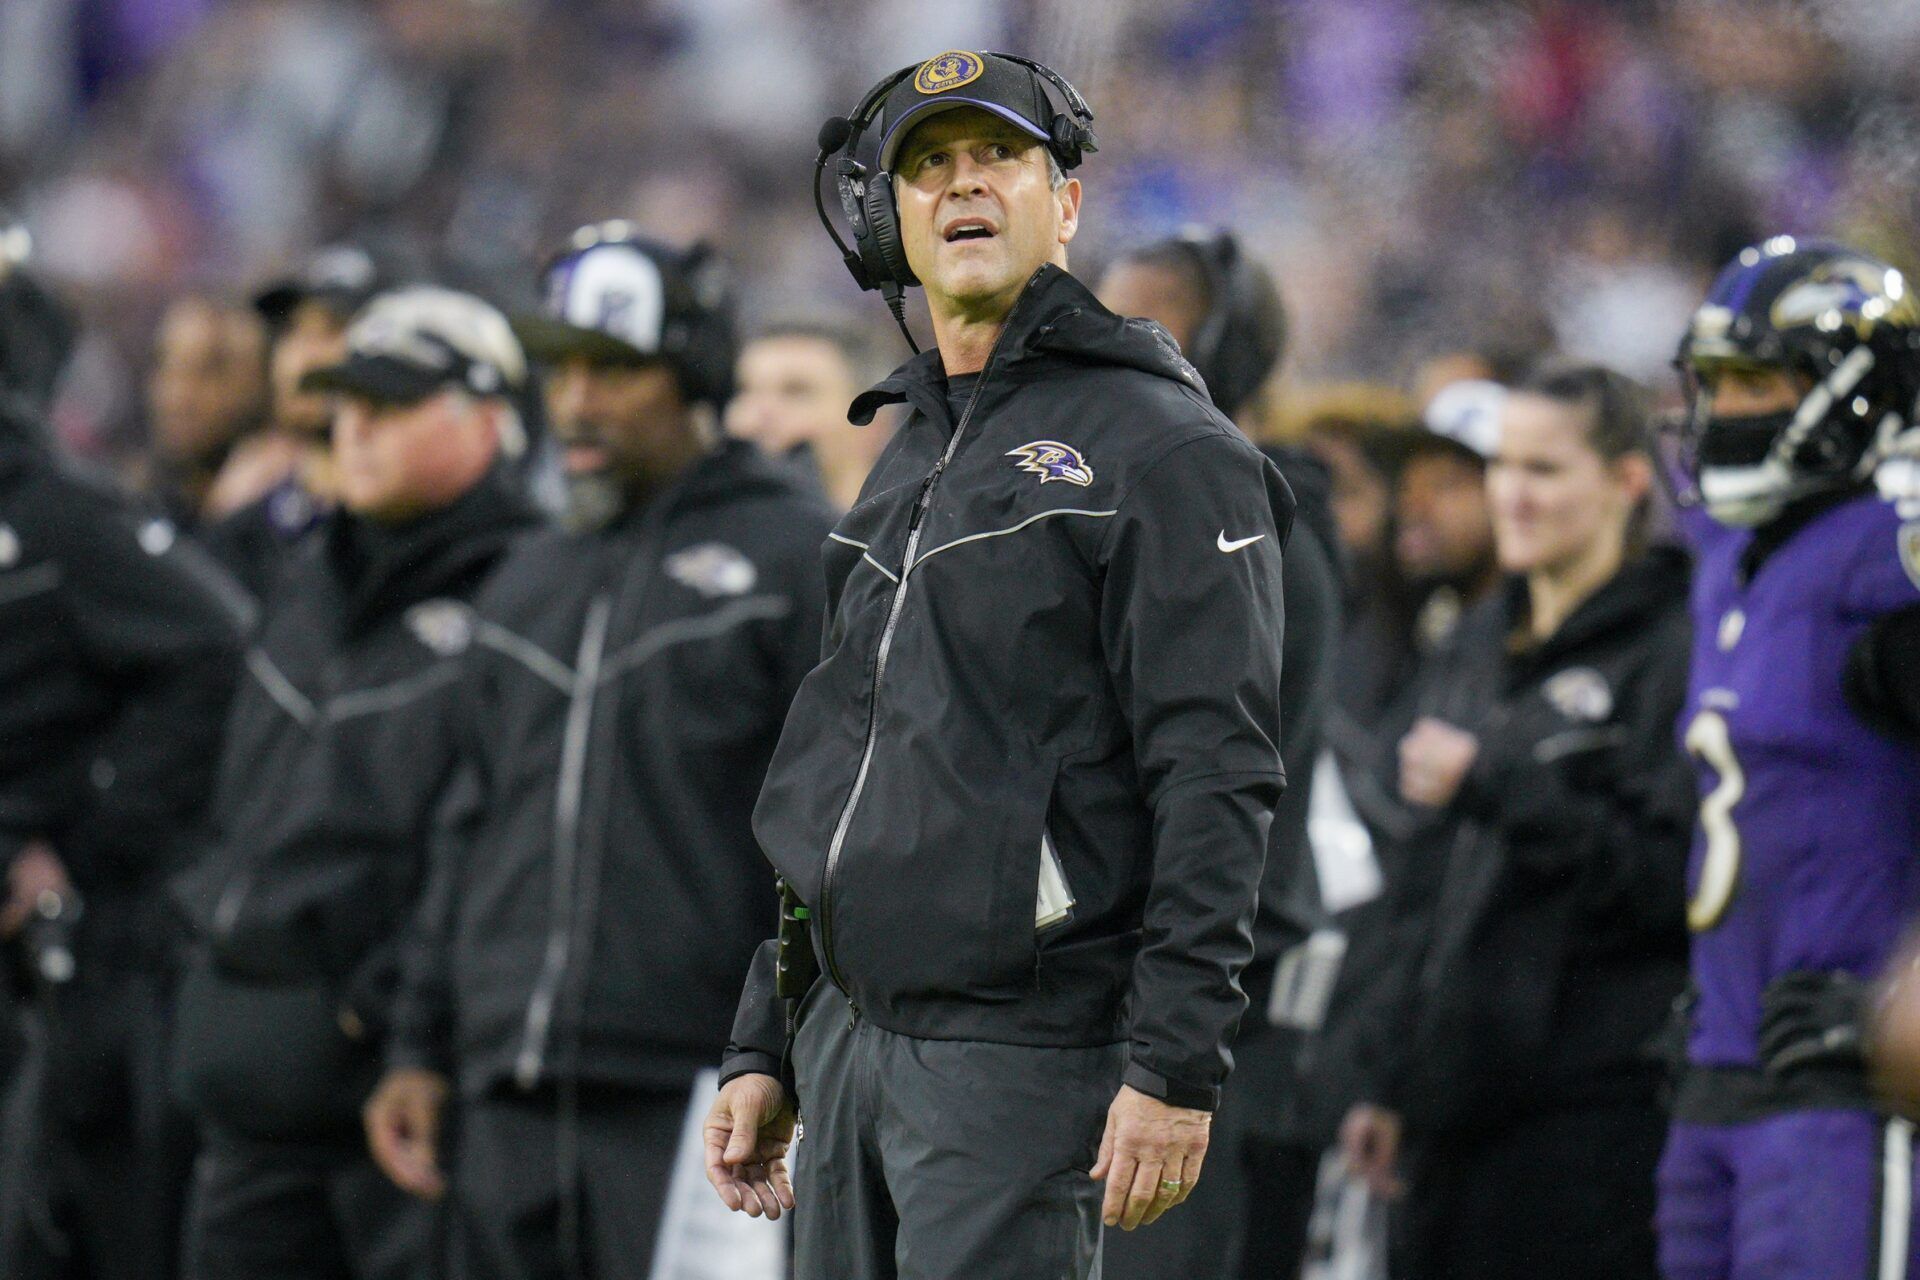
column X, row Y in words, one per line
column 949, row 70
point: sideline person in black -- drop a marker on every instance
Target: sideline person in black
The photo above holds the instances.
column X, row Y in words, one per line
column 598, row 897
column 1223, row 309
column 1547, row 885
column 337, row 753
column 1025, row 796
column 277, row 485
column 118, row 648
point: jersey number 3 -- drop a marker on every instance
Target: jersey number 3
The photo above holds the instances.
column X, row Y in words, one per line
column 1709, row 740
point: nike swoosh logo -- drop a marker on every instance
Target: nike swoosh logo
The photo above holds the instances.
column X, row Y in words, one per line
column 1238, row 543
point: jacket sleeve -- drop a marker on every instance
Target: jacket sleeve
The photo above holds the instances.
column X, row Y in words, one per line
column 759, row 1039
column 1191, row 624
column 1611, row 807
column 164, row 625
column 420, row 1033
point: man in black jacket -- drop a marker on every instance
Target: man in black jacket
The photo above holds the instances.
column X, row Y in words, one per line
column 599, row 896
column 1025, row 797
column 338, row 751
column 118, row 646
column 1224, row 310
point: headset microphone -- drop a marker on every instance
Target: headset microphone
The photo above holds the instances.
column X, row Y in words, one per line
column 834, row 132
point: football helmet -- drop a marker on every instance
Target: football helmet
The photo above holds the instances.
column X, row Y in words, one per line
column 1848, row 325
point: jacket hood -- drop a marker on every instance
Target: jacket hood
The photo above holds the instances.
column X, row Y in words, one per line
column 1657, row 579
column 1055, row 316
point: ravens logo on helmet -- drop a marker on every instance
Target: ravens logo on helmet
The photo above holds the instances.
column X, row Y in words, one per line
column 1846, row 327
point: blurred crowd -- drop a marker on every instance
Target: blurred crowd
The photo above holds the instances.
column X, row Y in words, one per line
column 1523, row 176
column 1472, row 213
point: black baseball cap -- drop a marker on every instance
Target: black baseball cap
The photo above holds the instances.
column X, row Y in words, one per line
column 614, row 294
column 344, row 277
column 957, row 78
column 413, row 342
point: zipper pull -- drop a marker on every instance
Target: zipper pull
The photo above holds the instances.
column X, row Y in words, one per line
column 920, row 502
column 853, row 1015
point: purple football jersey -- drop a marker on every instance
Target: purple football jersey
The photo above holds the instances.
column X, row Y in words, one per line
column 1806, row 851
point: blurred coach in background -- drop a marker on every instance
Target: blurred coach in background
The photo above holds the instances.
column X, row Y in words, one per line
column 337, row 753
column 1223, row 309
column 119, row 642
column 598, row 896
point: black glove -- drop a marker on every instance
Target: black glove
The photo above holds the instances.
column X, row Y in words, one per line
column 1810, row 1019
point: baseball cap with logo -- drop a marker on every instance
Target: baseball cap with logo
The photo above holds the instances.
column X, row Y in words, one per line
column 413, row 342
column 1465, row 416
column 616, row 296
column 992, row 82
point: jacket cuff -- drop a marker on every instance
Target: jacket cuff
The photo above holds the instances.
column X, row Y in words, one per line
column 748, row 1062
column 1524, row 798
column 1175, row 1093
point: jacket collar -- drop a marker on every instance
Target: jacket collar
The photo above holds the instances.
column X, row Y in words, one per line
column 1654, row 580
column 384, row 569
column 1055, row 317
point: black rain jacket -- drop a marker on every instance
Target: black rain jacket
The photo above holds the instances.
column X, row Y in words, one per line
column 596, row 894
column 1541, row 915
column 118, row 647
column 338, row 750
column 1055, row 624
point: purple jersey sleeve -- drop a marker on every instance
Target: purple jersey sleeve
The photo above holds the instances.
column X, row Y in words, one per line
column 1884, row 573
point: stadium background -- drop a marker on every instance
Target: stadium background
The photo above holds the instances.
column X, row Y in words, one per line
column 1424, row 175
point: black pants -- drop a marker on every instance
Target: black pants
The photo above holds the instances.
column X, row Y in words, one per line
column 1567, row 1194
column 92, row 1151
column 557, row 1186
column 945, row 1159
column 301, row 1211
column 1248, row 1217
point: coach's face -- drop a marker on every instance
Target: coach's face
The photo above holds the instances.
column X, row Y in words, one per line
column 979, row 213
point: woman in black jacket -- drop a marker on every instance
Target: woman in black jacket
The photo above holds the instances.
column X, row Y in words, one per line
column 1543, row 908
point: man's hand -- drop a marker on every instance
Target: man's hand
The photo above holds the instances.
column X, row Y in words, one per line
column 35, row 872
column 1150, row 1157
column 748, row 1133
column 403, row 1130
column 1370, row 1141
column 1434, row 759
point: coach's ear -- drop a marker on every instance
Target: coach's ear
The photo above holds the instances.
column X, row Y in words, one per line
column 1067, row 200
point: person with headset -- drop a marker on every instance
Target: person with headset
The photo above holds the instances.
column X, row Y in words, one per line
column 596, row 895
column 1224, row 310
column 1021, row 806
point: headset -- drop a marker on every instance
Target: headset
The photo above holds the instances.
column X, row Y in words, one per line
column 877, row 259
column 1244, row 333
column 697, row 332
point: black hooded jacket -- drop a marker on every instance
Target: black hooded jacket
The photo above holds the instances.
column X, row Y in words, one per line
column 118, row 646
column 338, row 750
column 1542, row 913
column 596, row 893
column 1054, row 629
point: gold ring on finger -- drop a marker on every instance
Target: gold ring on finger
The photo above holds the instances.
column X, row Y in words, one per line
column 1170, row 1185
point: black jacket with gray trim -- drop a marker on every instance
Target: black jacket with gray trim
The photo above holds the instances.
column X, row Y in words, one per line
column 596, row 894
column 1538, row 921
column 1055, row 631
column 338, row 750
column 118, row 644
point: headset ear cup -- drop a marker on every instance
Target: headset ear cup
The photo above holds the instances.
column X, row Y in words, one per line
column 881, row 248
